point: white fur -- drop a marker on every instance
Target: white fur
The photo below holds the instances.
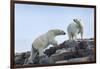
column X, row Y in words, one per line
column 74, row 28
column 44, row 41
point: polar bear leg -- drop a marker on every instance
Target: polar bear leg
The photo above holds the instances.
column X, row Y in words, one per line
column 70, row 36
column 41, row 51
column 54, row 42
column 81, row 35
column 33, row 54
column 75, row 37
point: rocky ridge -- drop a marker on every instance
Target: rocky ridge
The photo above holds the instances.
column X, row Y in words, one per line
column 82, row 50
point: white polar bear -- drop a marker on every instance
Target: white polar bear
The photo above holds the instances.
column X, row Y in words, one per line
column 44, row 41
column 75, row 28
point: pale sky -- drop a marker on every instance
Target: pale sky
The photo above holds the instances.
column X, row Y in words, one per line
column 33, row 20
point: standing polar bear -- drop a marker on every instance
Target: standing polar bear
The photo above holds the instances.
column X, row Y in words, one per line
column 44, row 41
column 75, row 28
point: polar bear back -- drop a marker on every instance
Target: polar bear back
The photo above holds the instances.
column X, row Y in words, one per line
column 43, row 40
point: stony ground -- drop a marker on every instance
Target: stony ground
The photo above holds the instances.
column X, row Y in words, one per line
column 82, row 50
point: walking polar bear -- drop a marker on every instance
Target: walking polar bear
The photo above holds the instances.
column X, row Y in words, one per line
column 44, row 41
column 74, row 29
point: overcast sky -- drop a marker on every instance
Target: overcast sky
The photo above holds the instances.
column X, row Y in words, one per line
column 34, row 20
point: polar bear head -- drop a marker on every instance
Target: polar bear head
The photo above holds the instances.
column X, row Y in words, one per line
column 57, row 32
column 78, row 22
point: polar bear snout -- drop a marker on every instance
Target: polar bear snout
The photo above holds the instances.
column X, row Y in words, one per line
column 63, row 33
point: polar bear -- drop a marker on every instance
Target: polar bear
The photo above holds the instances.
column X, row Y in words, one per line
column 44, row 41
column 75, row 28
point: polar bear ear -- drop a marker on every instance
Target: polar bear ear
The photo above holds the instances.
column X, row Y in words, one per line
column 75, row 20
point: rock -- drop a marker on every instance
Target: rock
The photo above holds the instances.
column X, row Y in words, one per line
column 68, row 45
column 35, row 61
column 84, row 48
column 50, row 51
column 72, row 50
column 75, row 60
column 63, row 56
column 67, row 52
column 27, row 54
column 82, row 45
column 46, row 60
column 81, row 49
column 20, row 58
column 71, row 44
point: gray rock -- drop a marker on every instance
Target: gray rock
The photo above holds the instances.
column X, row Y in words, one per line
column 74, row 60
column 45, row 60
column 71, row 44
column 68, row 51
column 50, row 51
column 20, row 58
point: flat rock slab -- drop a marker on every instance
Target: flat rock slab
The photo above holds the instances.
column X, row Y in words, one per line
column 75, row 60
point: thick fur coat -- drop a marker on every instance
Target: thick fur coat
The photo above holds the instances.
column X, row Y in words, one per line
column 74, row 29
